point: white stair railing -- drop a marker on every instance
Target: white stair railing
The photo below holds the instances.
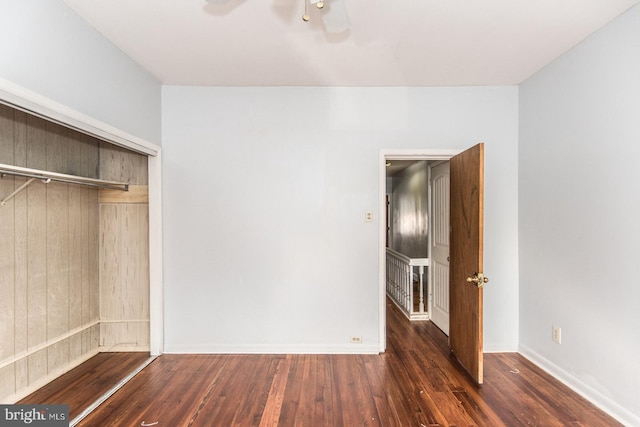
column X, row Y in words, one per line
column 400, row 271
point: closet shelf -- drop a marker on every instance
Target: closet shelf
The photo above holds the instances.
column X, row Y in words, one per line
column 46, row 177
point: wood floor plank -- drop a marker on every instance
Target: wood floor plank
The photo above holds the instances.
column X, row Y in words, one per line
column 383, row 394
column 252, row 399
column 527, row 408
column 275, row 399
column 79, row 387
column 415, row 382
column 324, row 391
column 303, row 398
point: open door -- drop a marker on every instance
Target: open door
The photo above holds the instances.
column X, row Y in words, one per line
column 466, row 275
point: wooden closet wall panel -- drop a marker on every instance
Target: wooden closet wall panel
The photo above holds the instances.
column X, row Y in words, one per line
column 57, row 245
column 89, row 303
column 36, row 143
column 91, row 338
column 7, row 381
column 49, row 256
column 7, row 263
column 124, row 277
column 36, row 252
column 37, row 367
column 109, row 261
column 36, row 265
column 76, row 247
column 120, row 164
column 94, row 256
column 7, row 251
column 124, row 256
column 21, row 280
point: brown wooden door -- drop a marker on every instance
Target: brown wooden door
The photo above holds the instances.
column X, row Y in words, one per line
column 466, row 221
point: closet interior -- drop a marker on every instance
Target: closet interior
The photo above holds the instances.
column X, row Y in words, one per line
column 74, row 258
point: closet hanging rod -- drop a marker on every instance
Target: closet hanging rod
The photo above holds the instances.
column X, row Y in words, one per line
column 46, row 177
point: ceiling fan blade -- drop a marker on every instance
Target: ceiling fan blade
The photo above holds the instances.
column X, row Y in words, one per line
column 335, row 16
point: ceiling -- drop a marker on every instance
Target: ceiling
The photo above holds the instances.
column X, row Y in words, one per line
column 394, row 167
column 389, row 43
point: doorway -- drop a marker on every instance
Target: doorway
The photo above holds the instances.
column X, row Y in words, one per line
column 386, row 156
column 466, row 195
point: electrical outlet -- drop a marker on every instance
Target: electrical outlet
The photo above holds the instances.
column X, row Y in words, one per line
column 557, row 334
column 368, row 216
column 356, row 340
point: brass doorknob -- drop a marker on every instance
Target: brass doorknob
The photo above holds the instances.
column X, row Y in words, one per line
column 479, row 279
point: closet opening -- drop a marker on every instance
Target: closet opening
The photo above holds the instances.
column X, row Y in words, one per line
column 77, row 268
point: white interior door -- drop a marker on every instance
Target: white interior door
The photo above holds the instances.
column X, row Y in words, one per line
column 439, row 276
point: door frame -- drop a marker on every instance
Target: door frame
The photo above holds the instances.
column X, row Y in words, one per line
column 384, row 156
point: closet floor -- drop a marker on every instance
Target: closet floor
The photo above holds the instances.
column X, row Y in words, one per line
column 81, row 386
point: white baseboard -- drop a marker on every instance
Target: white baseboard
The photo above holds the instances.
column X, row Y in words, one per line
column 273, row 349
column 603, row 402
column 509, row 347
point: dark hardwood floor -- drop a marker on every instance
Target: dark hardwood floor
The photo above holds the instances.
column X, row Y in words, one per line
column 415, row 383
column 79, row 387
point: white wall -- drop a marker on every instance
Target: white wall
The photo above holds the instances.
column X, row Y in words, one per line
column 409, row 211
column 580, row 216
column 266, row 247
column 48, row 49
